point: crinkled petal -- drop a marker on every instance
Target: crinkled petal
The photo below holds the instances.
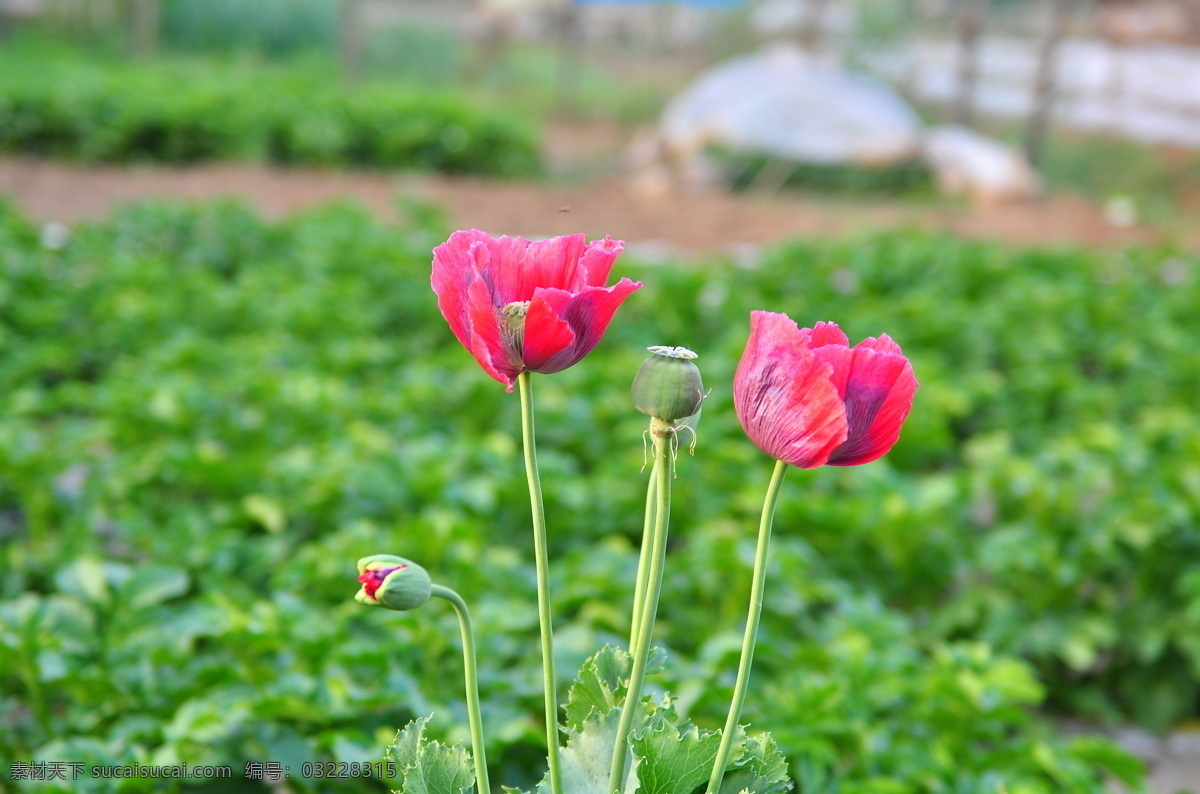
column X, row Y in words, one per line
column 589, row 314
column 455, row 264
column 523, row 266
column 878, row 393
column 487, row 339
column 504, row 271
column 823, row 334
column 598, row 259
column 883, row 344
column 547, row 333
column 784, row 397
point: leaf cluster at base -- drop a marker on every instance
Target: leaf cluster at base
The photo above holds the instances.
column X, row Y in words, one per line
column 668, row 757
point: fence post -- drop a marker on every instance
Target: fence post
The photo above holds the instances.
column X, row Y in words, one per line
column 143, row 28
column 812, row 27
column 1045, row 83
column 970, row 26
column 352, row 39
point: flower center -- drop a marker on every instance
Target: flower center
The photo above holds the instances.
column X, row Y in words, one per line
column 373, row 578
column 512, row 325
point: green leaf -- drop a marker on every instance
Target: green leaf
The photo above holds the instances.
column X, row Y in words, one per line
column 86, row 578
column 430, row 767
column 587, row 758
column 1108, row 756
column 405, row 749
column 154, row 584
column 602, row 681
column 266, row 511
column 442, row 770
column 599, row 685
column 762, row 768
column 672, row 760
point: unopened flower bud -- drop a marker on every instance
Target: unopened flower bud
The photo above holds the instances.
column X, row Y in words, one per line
column 392, row 582
column 668, row 386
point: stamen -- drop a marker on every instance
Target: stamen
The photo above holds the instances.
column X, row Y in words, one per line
column 512, row 323
column 673, row 352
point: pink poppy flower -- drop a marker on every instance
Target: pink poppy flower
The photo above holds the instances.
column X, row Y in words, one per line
column 519, row 306
column 804, row 396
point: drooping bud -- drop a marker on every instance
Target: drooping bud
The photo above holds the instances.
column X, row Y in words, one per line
column 392, row 582
column 668, row 385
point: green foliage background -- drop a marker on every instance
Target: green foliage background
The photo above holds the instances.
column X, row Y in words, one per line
column 206, row 418
column 58, row 103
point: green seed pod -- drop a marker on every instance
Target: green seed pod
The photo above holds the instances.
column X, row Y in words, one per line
column 668, row 386
column 392, row 582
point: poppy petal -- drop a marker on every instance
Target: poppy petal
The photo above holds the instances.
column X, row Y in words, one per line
column 823, row 334
column 783, row 394
column 589, row 314
column 878, row 395
column 547, row 333
column 487, row 340
column 455, row 264
column 553, row 264
column 598, row 260
column 883, row 344
column 503, row 272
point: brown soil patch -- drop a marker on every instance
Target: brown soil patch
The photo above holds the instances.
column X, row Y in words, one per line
column 623, row 206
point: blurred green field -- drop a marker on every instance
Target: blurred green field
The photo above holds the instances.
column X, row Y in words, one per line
column 61, row 103
column 206, row 418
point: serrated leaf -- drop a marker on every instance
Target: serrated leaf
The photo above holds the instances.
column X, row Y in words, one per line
column 440, row 770
column 587, row 758
column 674, row 761
column 405, row 749
column 762, row 768
column 602, row 682
column 430, row 767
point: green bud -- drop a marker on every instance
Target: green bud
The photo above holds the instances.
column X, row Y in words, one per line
column 392, row 582
column 668, row 386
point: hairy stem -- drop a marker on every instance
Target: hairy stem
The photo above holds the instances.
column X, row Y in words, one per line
column 665, row 471
column 543, row 581
column 756, row 601
column 472, row 678
column 639, row 592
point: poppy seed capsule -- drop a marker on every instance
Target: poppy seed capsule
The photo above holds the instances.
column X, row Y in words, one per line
column 392, row 582
column 668, row 386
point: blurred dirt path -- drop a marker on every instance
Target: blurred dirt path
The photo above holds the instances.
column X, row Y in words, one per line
column 51, row 191
column 587, row 193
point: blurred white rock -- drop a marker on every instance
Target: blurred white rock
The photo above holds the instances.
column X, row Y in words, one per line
column 787, row 104
column 988, row 172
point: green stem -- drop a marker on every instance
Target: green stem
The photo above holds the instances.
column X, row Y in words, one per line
column 756, row 600
column 639, row 593
column 472, row 677
column 665, row 471
column 543, row 582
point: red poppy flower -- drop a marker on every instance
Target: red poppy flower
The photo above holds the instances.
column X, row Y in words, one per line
column 519, row 306
column 804, row 396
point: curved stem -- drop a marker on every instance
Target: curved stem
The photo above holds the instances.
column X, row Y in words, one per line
column 639, row 592
column 633, row 697
column 756, row 600
column 543, row 582
column 472, row 677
